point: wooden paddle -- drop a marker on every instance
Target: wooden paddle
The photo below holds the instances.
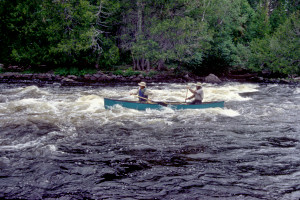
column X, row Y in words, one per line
column 152, row 102
column 187, row 91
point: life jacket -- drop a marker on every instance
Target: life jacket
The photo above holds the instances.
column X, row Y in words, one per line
column 142, row 94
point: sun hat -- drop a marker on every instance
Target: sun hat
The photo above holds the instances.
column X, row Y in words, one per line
column 198, row 84
column 142, row 84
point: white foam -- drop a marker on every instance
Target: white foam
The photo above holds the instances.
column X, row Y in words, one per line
column 93, row 103
column 31, row 106
column 227, row 92
column 32, row 90
column 297, row 91
column 22, row 145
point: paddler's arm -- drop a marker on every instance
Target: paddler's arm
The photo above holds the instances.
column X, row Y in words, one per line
column 190, row 97
column 192, row 91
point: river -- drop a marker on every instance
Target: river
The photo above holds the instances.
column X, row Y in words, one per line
column 58, row 142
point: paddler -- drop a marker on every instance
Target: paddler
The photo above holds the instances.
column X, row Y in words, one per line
column 198, row 94
column 142, row 92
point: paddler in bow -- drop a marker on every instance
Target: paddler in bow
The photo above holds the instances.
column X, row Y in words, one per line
column 142, row 93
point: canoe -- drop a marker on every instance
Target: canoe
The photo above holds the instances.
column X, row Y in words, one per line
column 108, row 103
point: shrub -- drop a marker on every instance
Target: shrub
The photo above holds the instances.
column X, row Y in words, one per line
column 63, row 71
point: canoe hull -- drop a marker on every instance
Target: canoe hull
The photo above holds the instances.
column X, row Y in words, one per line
column 176, row 106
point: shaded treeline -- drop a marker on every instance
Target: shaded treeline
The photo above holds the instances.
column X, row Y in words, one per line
column 201, row 36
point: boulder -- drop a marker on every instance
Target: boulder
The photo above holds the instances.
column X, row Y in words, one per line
column 211, row 78
column 115, row 77
column 187, row 77
column 44, row 77
column 101, row 78
column 15, row 68
column 87, row 77
column 136, row 79
column 98, row 76
column 297, row 78
column 67, row 80
column 93, row 78
column 72, row 77
column 27, row 76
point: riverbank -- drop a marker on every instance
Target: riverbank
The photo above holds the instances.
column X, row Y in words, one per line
column 101, row 78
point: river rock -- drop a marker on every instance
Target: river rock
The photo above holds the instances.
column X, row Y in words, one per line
column 87, row 77
column 27, row 76
column 297, row 78
column 44, row 77
column 99, row 77
column 72, row 77
column 211, row 78
column 187, row 77
column 67, row 80
column 115, row 77
column 93, row 78
column 15, row 68
column 136, row 79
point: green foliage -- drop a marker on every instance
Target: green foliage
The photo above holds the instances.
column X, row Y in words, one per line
column 152, row 73
column 147, row 49
column 229, row 22
column 259, row 26
column 57, row 32
column 110, row 56
column 168, row 35
column 118, row 72
column 204, row 36
column 130, row 72
column 278, row 16
column 63, row 71
column 278, row 53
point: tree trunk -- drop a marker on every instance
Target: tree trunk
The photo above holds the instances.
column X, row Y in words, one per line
column 205, row 8
column 142, row 64
column 140, row 17
column 97, row 61
column 133, row 62
column 268, row 6
column 138, row 65
column 160, row 65
column 148, row 65
column 95, row 44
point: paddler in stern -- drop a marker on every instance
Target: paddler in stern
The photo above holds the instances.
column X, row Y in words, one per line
column 198, row 94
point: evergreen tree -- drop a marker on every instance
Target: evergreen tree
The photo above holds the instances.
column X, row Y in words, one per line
column 279, row 53
column 57, row 33
column 162, row 32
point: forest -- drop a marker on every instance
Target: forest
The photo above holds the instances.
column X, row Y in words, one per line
column 201, row 36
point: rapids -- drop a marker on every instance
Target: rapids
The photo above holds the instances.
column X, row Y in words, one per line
column 58, row 142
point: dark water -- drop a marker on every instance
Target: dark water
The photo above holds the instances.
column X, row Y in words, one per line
column 60, row 143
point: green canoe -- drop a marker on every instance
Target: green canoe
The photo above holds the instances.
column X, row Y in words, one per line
column 159, row 105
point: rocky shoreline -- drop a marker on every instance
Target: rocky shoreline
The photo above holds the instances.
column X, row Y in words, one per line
column 101, row 78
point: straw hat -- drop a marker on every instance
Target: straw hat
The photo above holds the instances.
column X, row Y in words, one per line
column 198, row 84
column 142, row 84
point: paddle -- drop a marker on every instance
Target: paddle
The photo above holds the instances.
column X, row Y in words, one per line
column 150, row 101
column 187, row 91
